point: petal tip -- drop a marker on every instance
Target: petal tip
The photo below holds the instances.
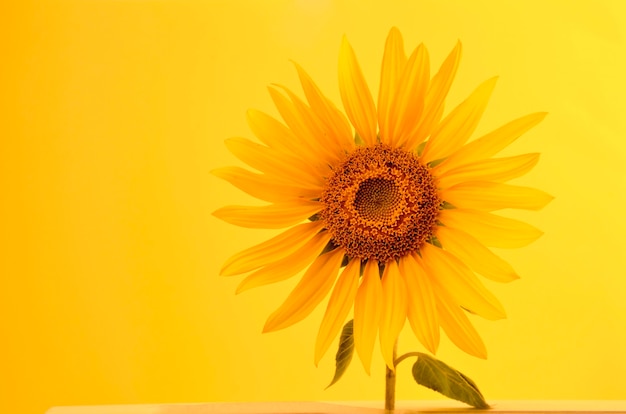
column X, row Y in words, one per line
column 224, row 270
column 433, row 348
column 269, row 326
column 367, row 370
column 273, row 323
column 272, row 88
column 456, row 51
column 346, row 52
column 394, row 32
column 242, row 287
column 490, row 83
column 344, row 41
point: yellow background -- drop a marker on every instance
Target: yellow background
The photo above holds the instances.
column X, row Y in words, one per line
column 114, row 112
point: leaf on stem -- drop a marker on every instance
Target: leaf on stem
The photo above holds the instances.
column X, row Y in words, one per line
column 344, row 352
column 440, row 377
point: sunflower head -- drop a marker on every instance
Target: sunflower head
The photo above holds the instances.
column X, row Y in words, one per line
column 394, row 225
column 380, row 203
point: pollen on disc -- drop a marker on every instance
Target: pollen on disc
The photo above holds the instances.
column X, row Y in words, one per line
column 380, row 203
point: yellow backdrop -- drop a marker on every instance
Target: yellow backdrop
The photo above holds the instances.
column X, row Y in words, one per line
column 113, row 114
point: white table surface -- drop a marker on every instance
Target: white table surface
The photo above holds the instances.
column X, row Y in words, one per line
column 347, row 407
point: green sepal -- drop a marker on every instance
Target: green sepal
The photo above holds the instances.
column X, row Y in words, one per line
column 358, row 141
column 440, row 377
column 344, row 351
column 420, row 148
column 434, row 241
column 435, row 163
column 330, row 246
column 446, row 206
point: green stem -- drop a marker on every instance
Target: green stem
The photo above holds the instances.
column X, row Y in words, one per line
column 401, row 358
column 390, row 377
column 390, row 383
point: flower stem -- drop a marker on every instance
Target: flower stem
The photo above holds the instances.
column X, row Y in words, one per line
column 396, row 361
column 390, row 377
column 390, row 383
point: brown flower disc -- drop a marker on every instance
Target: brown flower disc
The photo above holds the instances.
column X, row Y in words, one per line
column 381, row 203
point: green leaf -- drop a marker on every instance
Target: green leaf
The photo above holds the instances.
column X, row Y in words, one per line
column 440, row 377
column 344, row 352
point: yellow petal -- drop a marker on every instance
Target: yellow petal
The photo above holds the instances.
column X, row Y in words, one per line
column 279, row 165
column 474, row 254
column 335, row 120
column 435, row 98
column 394, row 310
column 457, row 326
column 495, row 169
column 308, row 293
column 408, row 102
column 421, row 307
column 451, row 274
column 490, row 229
column 265, row 187
column 317, row 131
column 458, row 126
column 288, row 266
column 274, row 216
column 367, row 313
column 394, row 60
column 276, row 135
column 491, row 143
column 487, row 196
column 355, row 95
column 270, row 131
column 271, row 250
column 339, row 305
column 305, row 138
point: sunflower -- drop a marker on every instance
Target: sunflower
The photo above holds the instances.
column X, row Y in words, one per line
column 387, row 208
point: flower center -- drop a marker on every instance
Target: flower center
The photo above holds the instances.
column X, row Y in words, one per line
column 381, row 203
column 377, row 199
